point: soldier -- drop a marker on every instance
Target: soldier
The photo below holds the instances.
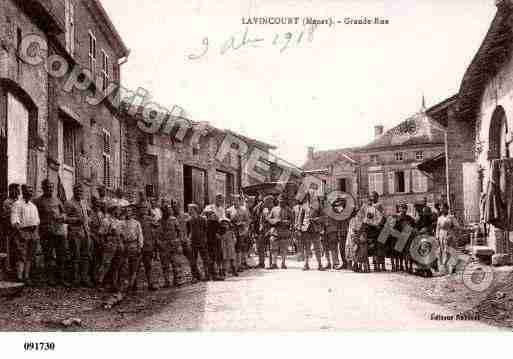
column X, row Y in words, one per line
column 331, row 233
column 197, row 233
column 133, row 244
column 110, row 235
column 14, row 194
column 53, row 234
column 25, row 221
column 281, row 219
column 168, row 244
column 95, row 223
column 374, row 220
column 77, row 218
column 182, row 219
column 264, row 228
column 239, row 216
column 309, row 217
column 151, row 230
column 214, row 212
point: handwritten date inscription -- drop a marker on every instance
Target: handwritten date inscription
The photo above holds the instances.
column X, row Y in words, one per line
column 281, row 41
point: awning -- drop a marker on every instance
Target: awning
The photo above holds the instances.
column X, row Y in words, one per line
column 433, row 163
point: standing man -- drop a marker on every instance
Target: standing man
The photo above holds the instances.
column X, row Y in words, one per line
column 168, row 244
column 296, row 232
column 14, row 194
column 25, row 221
column 197, row 234
column 80, row 240
column 281, row 219
column 150, row 227
column 309, row 221
column 214, row 213
column 332, row 241
column 240, row 218
column 53, row 234
column 374, row 220
column 263, row 229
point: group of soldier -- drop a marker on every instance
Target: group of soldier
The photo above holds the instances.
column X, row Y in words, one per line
column 104, row 241
column 350, row 241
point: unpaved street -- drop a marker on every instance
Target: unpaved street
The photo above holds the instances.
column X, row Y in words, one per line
column 298, row 301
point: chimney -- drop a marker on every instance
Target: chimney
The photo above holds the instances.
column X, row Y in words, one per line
column 378, row 130
column 311, row 151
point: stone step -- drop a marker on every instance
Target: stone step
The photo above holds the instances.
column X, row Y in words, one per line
column 9, row 289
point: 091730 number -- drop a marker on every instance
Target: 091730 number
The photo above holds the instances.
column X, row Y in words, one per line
column 39, row 346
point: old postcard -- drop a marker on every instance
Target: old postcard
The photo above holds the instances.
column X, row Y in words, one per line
column 255, row 166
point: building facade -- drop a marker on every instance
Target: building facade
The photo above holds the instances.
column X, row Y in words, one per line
column 480, row 126
column 24, row 92
column 186, row 170
column 58, row 115
column 388, row 164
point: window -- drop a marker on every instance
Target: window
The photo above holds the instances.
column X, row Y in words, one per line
column 419, row 156
column 374, row 158
column 376, row 183
column 70, row 27
column 420, row 183
column 342, row 185
column 400, row 183
column 107, row 178
column 399, row 156
column 105, row 71
column 68, row 135
column 92, row 54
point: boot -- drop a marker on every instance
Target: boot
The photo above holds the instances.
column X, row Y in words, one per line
column 85, row 281
column 234, row 270
column 76, row 274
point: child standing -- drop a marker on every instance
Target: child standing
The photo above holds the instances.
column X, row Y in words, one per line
column 228, row 241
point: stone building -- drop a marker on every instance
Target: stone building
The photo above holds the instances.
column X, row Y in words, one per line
column 85, row 142
column 24, row 92
column 59, row 76
column 189, row 169
column 388, row 164
column 480, row 126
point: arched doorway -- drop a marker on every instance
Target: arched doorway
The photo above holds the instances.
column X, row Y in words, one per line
column 498, row 142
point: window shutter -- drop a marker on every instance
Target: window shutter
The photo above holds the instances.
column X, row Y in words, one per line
column 407, row 181
column 423, row 181
column 371, row 182
column 379, row 183
column 391, row 182
column 72, row 28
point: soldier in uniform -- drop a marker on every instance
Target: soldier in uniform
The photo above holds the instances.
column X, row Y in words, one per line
column 14, row 194
column 109, row 234
column 151, row 231
column 264, row 228
column 95, row 223
column 25, row 221
column 168, row 244
column 134, row 241
column 77, row 217
column 309, row 222
column 182, row 218
column 239, row 216
column 52, row 234
column 281, row 219
column 197, row 233
column 214, row 212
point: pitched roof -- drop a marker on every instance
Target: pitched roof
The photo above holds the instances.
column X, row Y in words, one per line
column 419, row 129
column 492, row 53
column 324, row 159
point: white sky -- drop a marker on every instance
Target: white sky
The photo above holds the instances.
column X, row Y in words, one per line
column 328, row 93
